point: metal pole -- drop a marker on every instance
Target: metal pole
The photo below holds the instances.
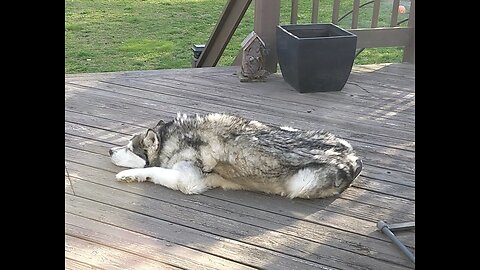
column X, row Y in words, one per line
column 381, row 225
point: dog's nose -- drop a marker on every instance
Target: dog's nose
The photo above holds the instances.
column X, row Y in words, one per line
column 110, row 152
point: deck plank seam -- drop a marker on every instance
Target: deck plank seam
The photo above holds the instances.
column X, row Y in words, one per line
column 272, row 106
column 238, row 108
column 209, row 196
column 239, row 88
column 282, row 254
column 353, row 185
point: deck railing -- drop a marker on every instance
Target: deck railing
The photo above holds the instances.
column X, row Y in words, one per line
column 267, row 17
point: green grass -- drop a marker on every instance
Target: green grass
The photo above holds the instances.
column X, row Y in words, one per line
column 118, row 35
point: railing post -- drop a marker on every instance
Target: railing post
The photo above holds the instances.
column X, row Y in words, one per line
column 356, row 10
column 376, row 13
column 294, row 12
column 336, row 11
column 267, row 17
column 409, row 50
column 394, row 19
column 315, row 4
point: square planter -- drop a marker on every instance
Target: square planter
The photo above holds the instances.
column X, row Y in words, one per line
column 315, row 57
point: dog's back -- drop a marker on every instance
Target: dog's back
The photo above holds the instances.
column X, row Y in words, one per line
column 272, row 159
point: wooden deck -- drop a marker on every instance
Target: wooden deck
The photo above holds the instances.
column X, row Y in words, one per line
column 114, row 225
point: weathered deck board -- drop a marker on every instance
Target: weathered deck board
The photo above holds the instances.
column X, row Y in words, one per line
column 275, row 92
column 229, row 228
column 76, row 265
column 146, row 112
column 380, row 156
column 112, row 225
column 358, row 203
column 106, row 179
column 336, row 206
column 186, row 235
column 381, row 171
column 401, row 191
column 245, row 94
column 150, row 107
column 355, row 94
column 189, row 98
column 363, row 200
column 152, row 248
column 106, row 257
column 146, row 107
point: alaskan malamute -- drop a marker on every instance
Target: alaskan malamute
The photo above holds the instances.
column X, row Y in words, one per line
column 196, row 153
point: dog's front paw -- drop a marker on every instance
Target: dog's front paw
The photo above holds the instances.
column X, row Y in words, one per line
column 129, row 176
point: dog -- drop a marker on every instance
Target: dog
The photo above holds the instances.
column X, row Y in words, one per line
column 195, row 153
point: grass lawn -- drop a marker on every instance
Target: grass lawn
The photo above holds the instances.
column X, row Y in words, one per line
column 119, row 35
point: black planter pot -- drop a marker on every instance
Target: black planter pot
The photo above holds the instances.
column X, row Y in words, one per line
column 315, row 57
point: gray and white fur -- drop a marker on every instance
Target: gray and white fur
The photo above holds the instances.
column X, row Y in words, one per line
column 196, row 153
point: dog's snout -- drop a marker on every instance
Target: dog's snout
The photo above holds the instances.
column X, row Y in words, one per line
column 110, row 152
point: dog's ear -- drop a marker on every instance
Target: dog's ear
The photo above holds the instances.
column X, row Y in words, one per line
column 151, row 139
column 160, row 123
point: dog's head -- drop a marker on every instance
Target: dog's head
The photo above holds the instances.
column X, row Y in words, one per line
column 141, row 150
column 348, row 172
column 349, row 165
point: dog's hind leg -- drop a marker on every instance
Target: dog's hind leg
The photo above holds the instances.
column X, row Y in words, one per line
column 183, row 176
